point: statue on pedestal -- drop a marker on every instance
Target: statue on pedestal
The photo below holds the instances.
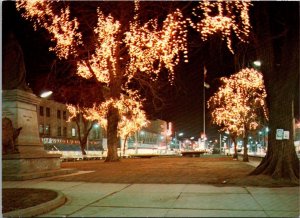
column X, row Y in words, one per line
column 9, row 136
column 23, row 156
column 13, row 71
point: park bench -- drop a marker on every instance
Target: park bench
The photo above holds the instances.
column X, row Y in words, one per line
column 192, row 153
column 143, row 155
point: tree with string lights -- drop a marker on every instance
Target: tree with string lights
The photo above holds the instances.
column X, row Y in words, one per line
column 132, row 117
column 77, row 115
column 64, row 83
column 119, row 46
column 239, row 106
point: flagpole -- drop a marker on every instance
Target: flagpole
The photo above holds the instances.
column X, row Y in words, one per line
column 205, row 85
column 204, row 75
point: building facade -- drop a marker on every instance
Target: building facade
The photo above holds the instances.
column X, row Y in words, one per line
column 57, row 133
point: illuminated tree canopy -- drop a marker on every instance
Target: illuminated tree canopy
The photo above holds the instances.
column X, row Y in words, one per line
column 132, row 117
column 240, row 103
column 224, row 17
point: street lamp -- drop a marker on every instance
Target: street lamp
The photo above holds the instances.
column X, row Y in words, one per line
column 46, row 94
column 205, row 85
column 177, row 140
column 260, row 141
column 141, row 138
column 257, row 63
column 266, row 137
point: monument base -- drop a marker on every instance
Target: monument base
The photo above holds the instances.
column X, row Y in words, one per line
column 32, row 161
column 23, row 166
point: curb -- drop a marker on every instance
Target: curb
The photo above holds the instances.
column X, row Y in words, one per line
column 40, row 208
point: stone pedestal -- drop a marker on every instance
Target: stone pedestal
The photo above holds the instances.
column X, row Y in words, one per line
column 32, row 161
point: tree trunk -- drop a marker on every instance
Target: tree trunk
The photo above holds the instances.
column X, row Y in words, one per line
column 124, row 144
column 281, row 160
column 87, row 126
column 245, row 155
column 245, row 142
column 235, row 156
column 282, row 74
column 81, row 140
column 112, row 135
column 83, row 147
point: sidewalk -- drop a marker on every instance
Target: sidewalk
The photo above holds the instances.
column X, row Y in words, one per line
column 167, row 200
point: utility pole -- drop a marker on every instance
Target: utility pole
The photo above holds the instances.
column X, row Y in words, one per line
column 205, row 85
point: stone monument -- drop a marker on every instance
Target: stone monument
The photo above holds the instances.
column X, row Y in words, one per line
column 19, row 105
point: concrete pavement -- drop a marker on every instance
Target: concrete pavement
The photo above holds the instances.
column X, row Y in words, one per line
column 167, row 200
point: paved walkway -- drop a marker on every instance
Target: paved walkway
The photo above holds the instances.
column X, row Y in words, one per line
column 167, row 200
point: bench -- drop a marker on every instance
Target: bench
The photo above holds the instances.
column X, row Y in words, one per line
column 192, row 153
column 142, row 155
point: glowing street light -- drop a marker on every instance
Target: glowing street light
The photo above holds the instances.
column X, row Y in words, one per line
column 96, row 125
column 178, row 140
column 257, row 63
column 46, row 94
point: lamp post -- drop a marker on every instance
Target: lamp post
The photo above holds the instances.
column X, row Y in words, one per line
column 179, row 142
column 257, row 63
column 266, row 137
column 46, row 94
column 142, row 133
column 205, row 85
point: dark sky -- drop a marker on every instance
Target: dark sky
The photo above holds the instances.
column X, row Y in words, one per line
column 185, row 107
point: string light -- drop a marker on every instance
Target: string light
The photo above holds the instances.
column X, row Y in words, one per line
column 236, row 106
column 63, row 29
column 103, row 62
column 151, row 47
column 132, row 116
column 222, row 17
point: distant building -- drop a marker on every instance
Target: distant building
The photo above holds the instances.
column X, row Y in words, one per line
column 58, row 134
column 152, row 136
column 297, row 135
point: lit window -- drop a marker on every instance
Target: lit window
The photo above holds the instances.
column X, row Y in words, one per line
column 47, row 130
column 73, row 132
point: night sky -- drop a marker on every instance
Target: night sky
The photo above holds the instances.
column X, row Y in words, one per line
column 184, row 106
